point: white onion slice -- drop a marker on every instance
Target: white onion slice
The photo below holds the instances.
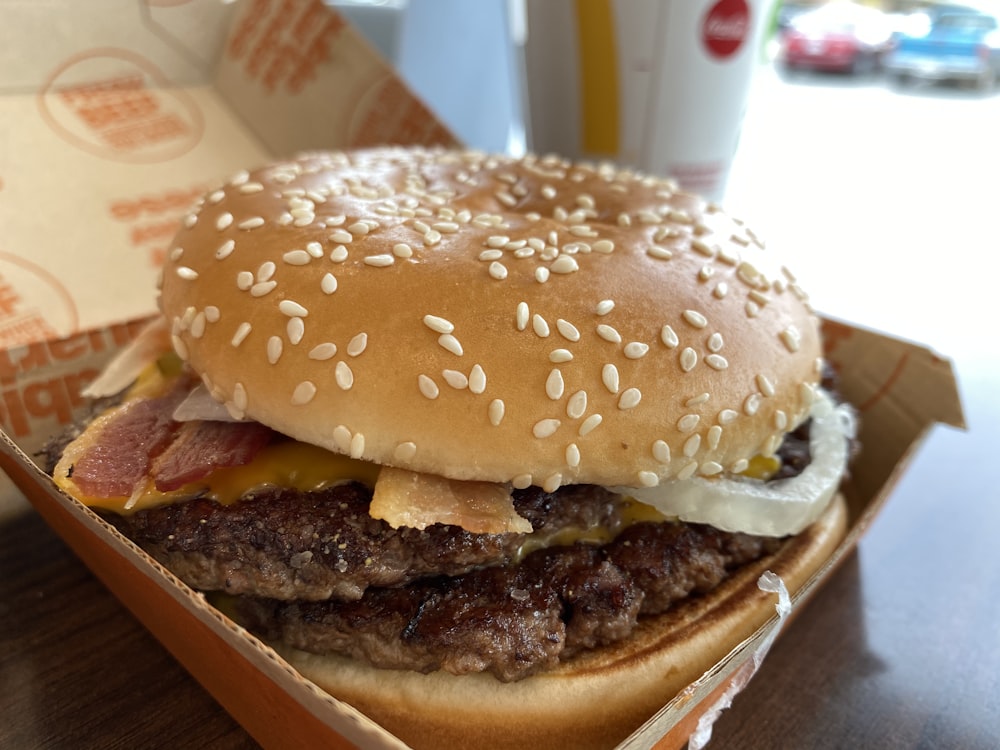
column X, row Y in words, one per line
column 777, row 508
column 200, row 406
column 128, row 364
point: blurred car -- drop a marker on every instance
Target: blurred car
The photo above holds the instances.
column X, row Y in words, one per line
column 953, row 44
column 839, row 36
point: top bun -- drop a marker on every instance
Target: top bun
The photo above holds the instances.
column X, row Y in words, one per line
column 483, row 317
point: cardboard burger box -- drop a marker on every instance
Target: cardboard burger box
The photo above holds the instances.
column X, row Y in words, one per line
column 122, row 114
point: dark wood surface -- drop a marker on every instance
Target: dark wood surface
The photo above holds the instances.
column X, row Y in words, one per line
column 901, row 648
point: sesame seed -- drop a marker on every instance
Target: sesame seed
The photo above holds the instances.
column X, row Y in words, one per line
column 295, row 329
column 539, row 326
column 700, row 246
column 604, row 307
column 338, row 254
column 624, row 220
column 496, row 412
column 242, row 331
column 791, row 338
column 706, row 273
column 274, row 347
column 225, row 249
column 489, row 255
column 455, row 379
column 357, row 345
column 297, row 258
column 342, row 236
column 548, row 192
column 497, row 241
column 342, row 437
column 323, row 352
column 402, row 250
column 382, row 260
column 239, row 178
column 648, row 478
column 253, row 222
column 328, row 283
column 576, row 407
column 630, row 398
column 739, row 466
column 590, row 424
column 564, row 264
column 303, row 393
column 572, row 455
column 477, row 379
column 212, row 314
column 698, row 400
column 552, row 482
column 427, row 386
column 344, row 375
column 554, row 385
column 727, row 416
column 688, row 422
column 608, row 333
column 432, row 237
column 545, row 428
column 780, row 420
column 713, row 436
column 695, row 318
column 765, row 385
column 266, row 271
column 224, row 220
column 452, row 344
column 405, row 451
column 179, row 346
column 660, row 253
column 438, row 324
column 522, row 315
column 716, row 361
column 357, row 451
column 521, row 481
column 661, row 452
column 190, row 220
column 251, row 187
column 541, row 274
column 605, row 247
column 559, row 356
column 188, row 274
column 610, row 378
column 636, row 350
column 751, row 404
column 240, row 399
column 750, row 275
column 689, row 358
column 721, row 290
column 669, row 337
column 710, row 468
column 292, row 308
column 176, row 253
column 568, row 330
column 715, row 342
column 359, row 227
column 687, row 471
column 498, row 270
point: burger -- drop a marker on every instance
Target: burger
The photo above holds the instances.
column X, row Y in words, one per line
column 494, row 449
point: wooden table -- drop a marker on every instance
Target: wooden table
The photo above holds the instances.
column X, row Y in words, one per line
column 901, row 648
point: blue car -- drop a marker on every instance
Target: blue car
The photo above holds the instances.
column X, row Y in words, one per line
column 950, row 45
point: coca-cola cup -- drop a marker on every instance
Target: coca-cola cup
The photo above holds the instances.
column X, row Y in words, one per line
column 657, row 85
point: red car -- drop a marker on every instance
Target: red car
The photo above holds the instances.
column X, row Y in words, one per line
column 839, row 36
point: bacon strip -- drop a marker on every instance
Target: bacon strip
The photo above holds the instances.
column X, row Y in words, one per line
column 200, row 448
column 118, row 458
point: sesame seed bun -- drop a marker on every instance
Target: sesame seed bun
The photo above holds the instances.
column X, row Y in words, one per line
column 481, row 317
column 595, row 700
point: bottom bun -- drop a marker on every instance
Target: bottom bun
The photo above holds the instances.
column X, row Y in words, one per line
column 595, row 700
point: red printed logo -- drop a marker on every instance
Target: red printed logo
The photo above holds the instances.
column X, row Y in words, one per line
column 118, row 105
column 726, row 26
column 34, row 304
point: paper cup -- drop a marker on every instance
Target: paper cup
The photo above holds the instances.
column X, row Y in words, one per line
column 657, row 85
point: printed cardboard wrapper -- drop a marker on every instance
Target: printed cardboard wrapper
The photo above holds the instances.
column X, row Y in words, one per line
column 120, row 124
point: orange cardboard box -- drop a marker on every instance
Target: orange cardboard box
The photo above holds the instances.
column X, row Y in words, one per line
column 127, row 120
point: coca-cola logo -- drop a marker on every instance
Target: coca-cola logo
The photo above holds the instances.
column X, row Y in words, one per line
column 726, row 25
